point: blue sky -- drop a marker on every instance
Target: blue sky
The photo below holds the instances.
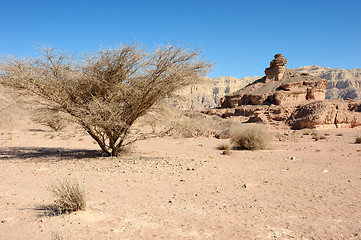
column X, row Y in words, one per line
column 241, row 37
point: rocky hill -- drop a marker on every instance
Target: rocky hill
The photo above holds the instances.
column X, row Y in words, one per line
column 341, row 84
column 288, row 98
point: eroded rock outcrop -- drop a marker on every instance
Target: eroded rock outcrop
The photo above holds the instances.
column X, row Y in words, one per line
column 277, row 69
column 287, row 98
column 326, row 114
column 341, row 83
column 279, row 86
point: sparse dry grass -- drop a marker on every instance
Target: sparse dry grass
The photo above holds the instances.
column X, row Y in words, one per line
column 69, row 195
column 251, row 138
column 56, row 235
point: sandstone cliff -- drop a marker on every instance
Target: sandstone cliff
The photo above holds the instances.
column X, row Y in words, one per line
column 288, row 98
column 293, row 87
column 208, row 94
column 341, row 83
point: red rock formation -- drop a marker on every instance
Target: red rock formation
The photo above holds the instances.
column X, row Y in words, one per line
column 289, row 98
column 277, row 68
column 279, row 86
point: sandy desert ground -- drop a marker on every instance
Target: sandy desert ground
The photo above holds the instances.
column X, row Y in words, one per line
column 183, row 188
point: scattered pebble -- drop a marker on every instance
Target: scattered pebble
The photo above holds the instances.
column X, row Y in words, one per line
column 247, row 185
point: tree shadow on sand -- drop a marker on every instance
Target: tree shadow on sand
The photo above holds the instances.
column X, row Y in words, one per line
column 57, row 154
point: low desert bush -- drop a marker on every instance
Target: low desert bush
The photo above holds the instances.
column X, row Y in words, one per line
column 224, row 146
column 68, row 195
column 339, row 134
column 317, row 137
column 252, row 138
column 358, row 140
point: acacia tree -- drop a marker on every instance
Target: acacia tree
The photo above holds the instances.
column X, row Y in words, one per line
column 107, row 91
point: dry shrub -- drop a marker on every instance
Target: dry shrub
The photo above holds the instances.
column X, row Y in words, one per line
column 105, row 92
column 358, row 140
column 189, row 127
column 251, row 138
column 224, row 146
column 317, row 137
column 51, row 118
column 68, row 195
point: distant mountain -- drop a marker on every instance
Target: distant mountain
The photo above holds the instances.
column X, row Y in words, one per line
column 341, row 84
column 207, row 94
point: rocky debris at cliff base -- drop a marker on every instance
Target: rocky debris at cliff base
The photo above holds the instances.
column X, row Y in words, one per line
column 325, row 114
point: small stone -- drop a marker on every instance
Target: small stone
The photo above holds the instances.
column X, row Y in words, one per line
column 247, row 185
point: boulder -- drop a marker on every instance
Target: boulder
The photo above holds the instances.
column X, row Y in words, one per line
column 312, row 115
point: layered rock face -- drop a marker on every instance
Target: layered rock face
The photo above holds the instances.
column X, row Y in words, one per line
column 207, row 94
column 341, row 83
column 326, row 114
column 277, row 69
column 279, row 86
column 288, row 98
